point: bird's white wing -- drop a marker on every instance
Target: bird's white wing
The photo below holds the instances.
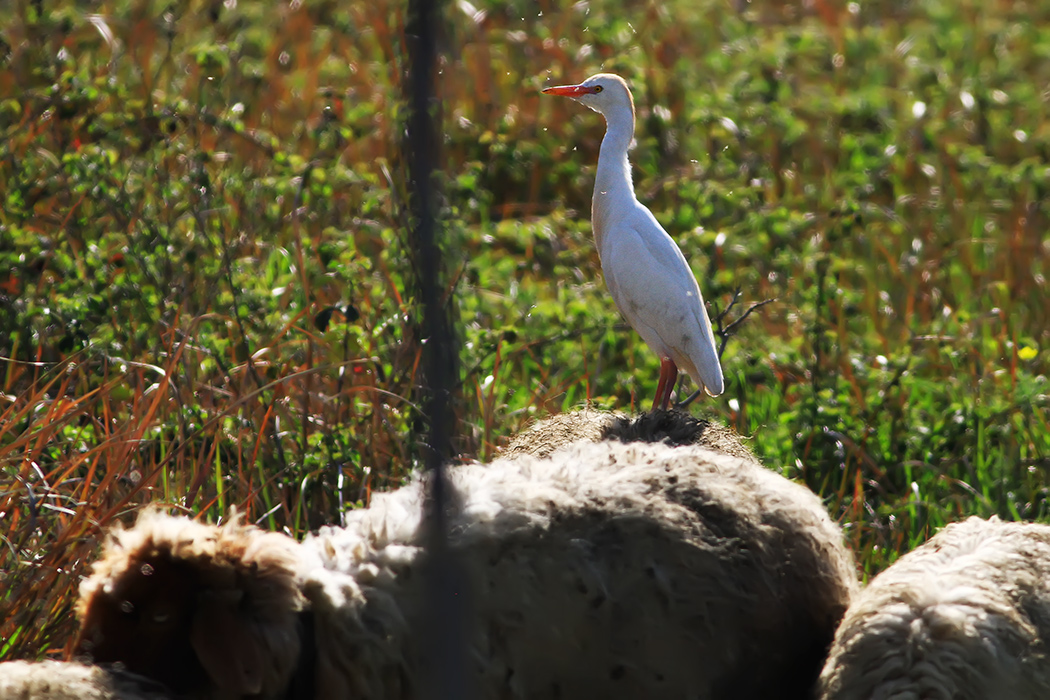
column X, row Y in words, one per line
column 655, row 290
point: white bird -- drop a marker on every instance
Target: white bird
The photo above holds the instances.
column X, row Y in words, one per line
column 647, row 274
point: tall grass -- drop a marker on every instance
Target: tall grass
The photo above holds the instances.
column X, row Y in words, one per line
column 202, row 256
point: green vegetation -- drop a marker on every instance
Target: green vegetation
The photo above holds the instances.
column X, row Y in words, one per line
column 202, row 241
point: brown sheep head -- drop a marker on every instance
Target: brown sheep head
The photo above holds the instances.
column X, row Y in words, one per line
column 205, row 610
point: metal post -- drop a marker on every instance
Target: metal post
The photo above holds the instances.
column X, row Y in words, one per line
column 443, row 637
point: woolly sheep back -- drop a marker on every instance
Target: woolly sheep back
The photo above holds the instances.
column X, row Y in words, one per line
column 966, row 616
column 606, row 570
column 56, row 680
column 588, row 425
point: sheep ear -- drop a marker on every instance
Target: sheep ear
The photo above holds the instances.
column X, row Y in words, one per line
column 227, row 651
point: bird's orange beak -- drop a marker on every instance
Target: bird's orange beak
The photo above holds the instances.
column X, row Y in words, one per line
column 569, row 90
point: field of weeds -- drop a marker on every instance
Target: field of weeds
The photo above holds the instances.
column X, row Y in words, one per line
column 203, row 296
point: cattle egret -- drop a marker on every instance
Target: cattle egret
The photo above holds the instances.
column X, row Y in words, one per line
column 645, row 271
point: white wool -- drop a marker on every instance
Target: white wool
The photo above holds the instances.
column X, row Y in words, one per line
column 54, row 680
column 530, row 498
column 604, row 570
column 964, row 617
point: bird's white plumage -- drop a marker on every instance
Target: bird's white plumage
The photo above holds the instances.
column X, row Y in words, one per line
column 646, row 273
column 680, row 330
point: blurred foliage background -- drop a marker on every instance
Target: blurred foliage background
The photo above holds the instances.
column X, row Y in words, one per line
column 203, row 295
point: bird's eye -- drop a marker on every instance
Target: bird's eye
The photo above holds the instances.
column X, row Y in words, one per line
column 598, row 88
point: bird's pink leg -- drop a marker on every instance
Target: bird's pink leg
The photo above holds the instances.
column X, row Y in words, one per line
column 668, row 378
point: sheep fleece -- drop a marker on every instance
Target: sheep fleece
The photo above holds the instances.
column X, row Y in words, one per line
column 964, row 617
column 605, row 570
column 588, row 425
column 56, row 680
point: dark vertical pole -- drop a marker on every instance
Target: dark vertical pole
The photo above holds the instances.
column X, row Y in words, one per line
column 443, row 640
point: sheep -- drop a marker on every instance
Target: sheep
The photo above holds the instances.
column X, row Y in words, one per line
column 671, row 427
column 189, row 604
column 966, row 616
column 606, row 570
column 56, row 680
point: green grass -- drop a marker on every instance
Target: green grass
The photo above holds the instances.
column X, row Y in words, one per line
column 203, row 286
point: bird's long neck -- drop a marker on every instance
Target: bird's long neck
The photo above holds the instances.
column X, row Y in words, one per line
column 612, row 183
